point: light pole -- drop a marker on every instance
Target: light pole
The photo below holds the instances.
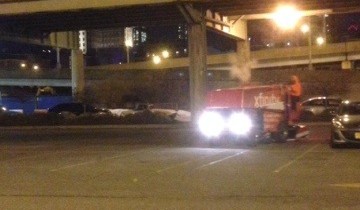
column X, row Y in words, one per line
column 306, row 29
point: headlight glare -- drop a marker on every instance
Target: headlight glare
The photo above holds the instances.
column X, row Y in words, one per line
column 211, row 124
column 239, row 123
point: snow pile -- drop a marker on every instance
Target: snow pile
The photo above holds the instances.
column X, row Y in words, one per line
column 177, row 115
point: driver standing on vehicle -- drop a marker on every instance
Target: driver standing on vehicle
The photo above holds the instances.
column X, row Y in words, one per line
column 295, row 90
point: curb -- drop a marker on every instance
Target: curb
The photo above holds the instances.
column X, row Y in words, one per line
column 75, row 127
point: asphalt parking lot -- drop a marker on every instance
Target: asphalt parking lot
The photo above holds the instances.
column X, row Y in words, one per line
column 169, row 168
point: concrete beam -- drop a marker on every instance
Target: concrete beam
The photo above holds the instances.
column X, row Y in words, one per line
column 270, row 15
column 36, row 82
column 260, row 59
column 293, row 52
column 165, row 63
column 68, row 40
column 57, row 6
column 236, row 28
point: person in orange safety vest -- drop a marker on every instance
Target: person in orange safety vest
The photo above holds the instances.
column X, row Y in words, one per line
column 295, row 90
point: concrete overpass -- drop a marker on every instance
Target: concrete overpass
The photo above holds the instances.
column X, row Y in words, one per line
column 274, row 57
column 261, row 59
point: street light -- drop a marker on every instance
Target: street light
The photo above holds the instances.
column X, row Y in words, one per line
column 165, row 54
column 286, row 16
column 156, row 59
column 320, row 40
column 305, row 28
column 36, row 68
column 23, row 65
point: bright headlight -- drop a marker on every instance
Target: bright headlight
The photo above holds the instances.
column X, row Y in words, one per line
column 211, row 124
column 239, row 123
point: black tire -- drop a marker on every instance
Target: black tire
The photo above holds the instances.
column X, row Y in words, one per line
column 251, row 142
column 283, row 132
column 332, row 143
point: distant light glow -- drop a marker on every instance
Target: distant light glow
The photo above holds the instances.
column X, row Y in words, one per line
column 165, row 54
column 305, row 28
column 36, row 67
column 156, row 59
column 23, row 65
column 129, row 43
column 320, row 40
column 286, row 17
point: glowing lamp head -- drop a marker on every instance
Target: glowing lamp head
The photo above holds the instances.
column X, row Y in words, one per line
column 165, row 54
column 286, row 17
column 156, row 59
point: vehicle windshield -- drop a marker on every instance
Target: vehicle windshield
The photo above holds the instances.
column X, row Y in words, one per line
column 350, row 109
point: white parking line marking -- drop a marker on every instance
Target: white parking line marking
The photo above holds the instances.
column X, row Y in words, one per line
column 95, row 161
column 347, row 185
column 294, row 160
column 177, row 165
column 218, row 161
column 187, row 162
column 71, row 166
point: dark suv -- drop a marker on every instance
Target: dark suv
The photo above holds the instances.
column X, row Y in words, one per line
column 77, row 109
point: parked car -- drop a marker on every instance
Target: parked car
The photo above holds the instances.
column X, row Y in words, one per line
column 319, row 108
column 76, row 109
column 3, row 110
column 346, row 124
column 6, row 111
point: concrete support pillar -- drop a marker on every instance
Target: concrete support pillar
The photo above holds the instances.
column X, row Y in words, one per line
column 77, row 74
column 58, row 61
column 243, row 60
column 243, row 52
column 197, row 55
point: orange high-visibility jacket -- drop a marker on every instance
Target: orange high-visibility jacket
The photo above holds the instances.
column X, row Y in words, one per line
column 296, row 89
